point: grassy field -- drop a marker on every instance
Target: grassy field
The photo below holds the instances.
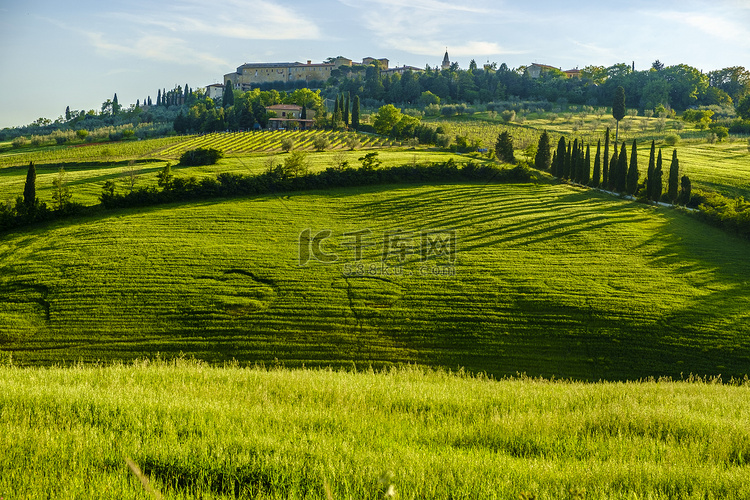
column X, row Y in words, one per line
column 203, row 432
column 548, row 280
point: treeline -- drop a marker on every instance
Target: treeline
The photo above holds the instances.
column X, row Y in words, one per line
column 291, row 175
column 573, row 161
column 678, row 87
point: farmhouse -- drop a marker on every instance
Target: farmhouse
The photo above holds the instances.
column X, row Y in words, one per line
column 289, row 116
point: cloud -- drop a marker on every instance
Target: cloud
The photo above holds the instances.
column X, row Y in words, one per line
column 426, row 27
column 154, row 47
column 718, row 26
column 240, row 19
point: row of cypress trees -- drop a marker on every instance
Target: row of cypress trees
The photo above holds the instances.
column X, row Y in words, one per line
column 572, row 161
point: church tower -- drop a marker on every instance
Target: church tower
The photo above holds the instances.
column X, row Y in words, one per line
column 446, row 61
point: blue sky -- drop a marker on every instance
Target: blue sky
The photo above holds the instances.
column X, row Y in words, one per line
column 78, row 53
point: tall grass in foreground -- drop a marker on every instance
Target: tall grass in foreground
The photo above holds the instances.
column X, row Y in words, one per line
column 206, row 432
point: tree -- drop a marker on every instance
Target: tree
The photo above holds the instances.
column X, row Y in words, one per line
column 386, row 118
column 622, row 170
column 115, row 105
column 165, row 177
column 370, row 161
column 651, row 172
column 295, row 164
column 658, row 176
column 504, row 148
column 543, row 159
column 227, row 99
column 605, row 161
column 355, row 113
column 586, row 175
column 743, row 107
column 618, row 108
column 611, row 185
column 29, row 189
column 686, row 190
column 596, row 176
column 557, row 164
column 674, row 178
column 67, row 113
column 60, row 192
column 631, row 183
column 321, row 143
column 346, row 110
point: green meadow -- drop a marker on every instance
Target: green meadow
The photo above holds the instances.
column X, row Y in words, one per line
column 228, row 432
column 547, row 279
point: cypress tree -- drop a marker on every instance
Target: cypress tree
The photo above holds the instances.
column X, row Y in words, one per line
column 618, row 108
column 560, row 163
column 631, row 183
column 622, row 169
column 115, row 105
column 29, row 189
column 355, row 113
column 586, row 177
column 650, row 173
column 574, row 168
column 227, row 100
column 605, row 161
column 674, row 177
column 596, row 177
column 686, row 190
column 568, row 162
column 158, row 97
column 347, row 105
column 553, row 165
column 613, row 170
column 542, row 158
column 658, row 176
column 303, row 113
column 67, row 113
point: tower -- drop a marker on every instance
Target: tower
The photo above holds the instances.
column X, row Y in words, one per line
column 446, row 60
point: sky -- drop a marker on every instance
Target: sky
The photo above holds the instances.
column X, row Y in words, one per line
column 79, row 53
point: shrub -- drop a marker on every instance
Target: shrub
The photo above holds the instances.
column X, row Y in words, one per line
column 287, row 144
column 321, row 143
column 19, row 141
column 200, row 156
column 671, row 139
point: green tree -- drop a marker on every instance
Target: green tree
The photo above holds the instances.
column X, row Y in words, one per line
column 321, row 143
column 347, row 105
column 605, row 161
column 355, row 113
column 618, row 108
column 631, row 183
column 165, row 178
column 370, row 161
column 295, row 164
column 596, row 176
column 543, row 159
column 674, row 178
column 651, row 172
column 504, row 148
column 287, row 144
column 622, row 170
column 60, row 191
column 575, row 167
column 586, row 177
column 613, row 163
column 386, row 118
column 115, row 105
column 686, row 190
column 658, row 179
column 29, row 189
column 227, row 99
column 67, row 114
column 743, row 107
column 557, row 166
